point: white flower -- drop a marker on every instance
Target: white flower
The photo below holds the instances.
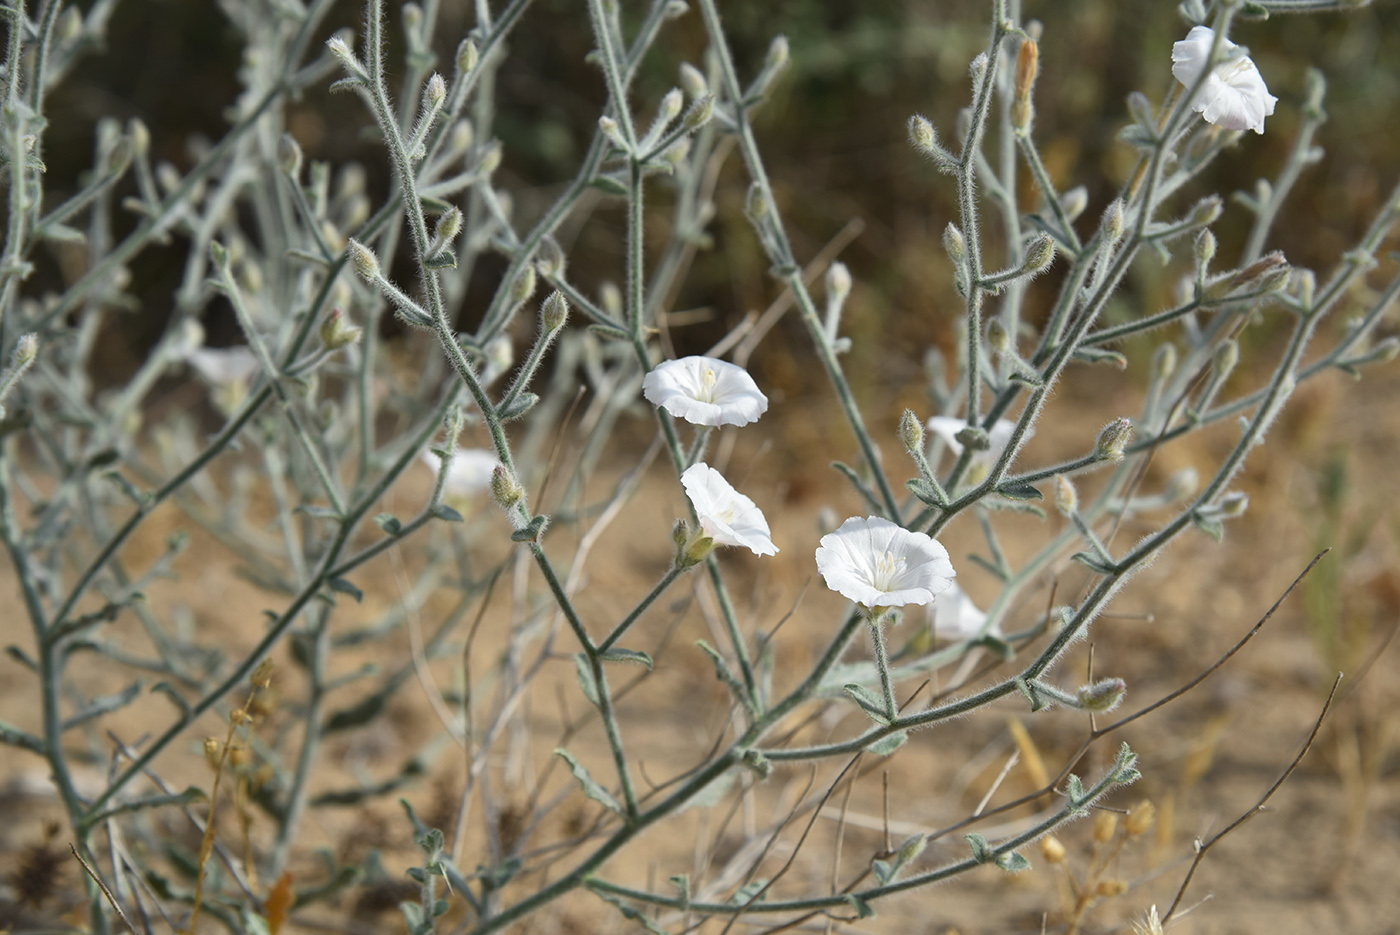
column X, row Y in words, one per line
column 223, row 366
column 727, row 516
column 947, row 428
column 1234, row 95
column 878, row 564
column 705, row 391
column 470, row 473
column 955, row 617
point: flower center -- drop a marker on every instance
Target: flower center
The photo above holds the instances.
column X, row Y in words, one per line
column 707, row 385
column 886, row 568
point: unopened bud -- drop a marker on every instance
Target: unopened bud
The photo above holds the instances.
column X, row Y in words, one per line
column 341, row 50
column 954, row 243
column 680, row 535
column 1027, row 64
column 289, row 156
column 1100, row 697
column 363, row 259
column 911, row 432
column 1205, row 249
column 214, row 753
column 778, row 54
column 838, row 284
column 337, row 331
column 1306, row 285
column 610, row 297
column 697, row 549
column 1107, row 889
column 756, row 203
column 670, row 107
column 700, row 112
column 998, row 337
column 1183, row 484
column 505, row 489
column 1066, row 497
column 26, row 349
column 1233, row 505
column 1052, row 850
column 467, row 56
column 1074, row 201
column 218, row 253
column 1386, row 350
column 449, row 224
column 69, row 25
column 1164, row 361
column 523, row 287
column 1113, row 222
column 921, row 134
column 436, row 91
column 139, row 135
column 459, row 139
column 1207, row 211
column 499, row 353
column 1105, row 824
column 554, row 311
column 1039, row 255
column 1140, row 818
column 550, row 259
column 693, row 81
column 412, row 17
column 613, row 132
column 1226, row 357
column 490, row 159
column 978, row 67
column 1113, row 440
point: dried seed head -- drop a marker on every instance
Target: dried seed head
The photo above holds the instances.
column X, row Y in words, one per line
column 262, row 675
column 214, row 753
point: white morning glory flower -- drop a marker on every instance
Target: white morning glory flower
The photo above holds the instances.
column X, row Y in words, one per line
column 955, row 617
column 878, row 564
column 1234, row 95
column 947, row 428
column 726, row 516
column 223, row 366
column 470, row 473
column 705, row 391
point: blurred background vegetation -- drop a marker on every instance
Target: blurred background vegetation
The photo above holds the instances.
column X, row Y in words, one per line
column 833, row 133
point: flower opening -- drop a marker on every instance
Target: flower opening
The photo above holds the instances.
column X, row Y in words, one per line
column 1234, row 95
column 727, row 516
column 705, row 391
column 876, row 563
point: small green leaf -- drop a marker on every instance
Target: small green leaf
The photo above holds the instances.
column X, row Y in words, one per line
column 862, row 908
column 444, row 512
column 342, row 586
column 444, row 259
column 980, row 851
column 869, row 702
column 585, row 779
column 520, row 405
column 389, row 523
column 748, row 891
column 888, row 744
column 609, row 185
column 1209, row 525
column 1012, row 862
column 1020, row 492
column 618, row 654
column 585, row 678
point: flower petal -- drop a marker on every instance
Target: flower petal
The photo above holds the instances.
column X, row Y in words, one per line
column 876, row 563
column 727, row 516
column 705, row 391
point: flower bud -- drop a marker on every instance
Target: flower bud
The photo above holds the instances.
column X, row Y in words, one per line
column 1074, row 201
column 435, row 92
column 613, row 132
column 1039, row 255
column 610, row 297
column 911, row 432
column 363, row 259
column 1163, row 362
column 756, row 203
column 680, row 535
column 411, row 16
column 1205, row 249
column 921, row 134
column 289, row 156
column 1100, row 697
column 1113, row 439
column 26, row 349
column 1105, row 824
column 697, row 550
column 554, row 311
column 449, row 224
column 490, row 158
column 69, row 25
column 1226, row 357
column 838, row 283
column 998, row 337
column 1207, row 211
column 1110, row 888
column 954, row 243
column 700, row 112
column 505, row 489
column 214, row 753
column 459, row 138
column 1113, row 221
column 1183, row 484
column 467, row 56
column 549, row 259
column 1066, row 497
column 139, row 135
column 978, row 66
column 337, row 331
column 1233, row 505
column 670, row 107
column 341, row 50
column 778, row 54
column 1027, row 64
column 693, row 81
column 1140, row 818
column 523, row 287
column 500, row 354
